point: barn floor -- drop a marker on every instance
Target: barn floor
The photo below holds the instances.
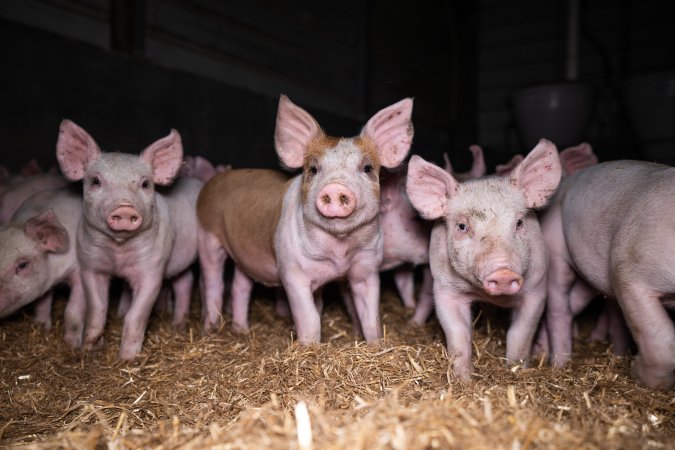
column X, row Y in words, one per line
column 188, row 391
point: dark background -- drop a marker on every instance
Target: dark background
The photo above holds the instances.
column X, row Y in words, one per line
column 128, row 71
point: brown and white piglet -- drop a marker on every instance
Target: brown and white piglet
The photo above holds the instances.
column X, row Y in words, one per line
column 303, row 232
column 486, row 245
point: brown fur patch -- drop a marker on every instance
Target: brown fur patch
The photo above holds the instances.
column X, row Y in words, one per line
column 368, row 147
column 242, row 208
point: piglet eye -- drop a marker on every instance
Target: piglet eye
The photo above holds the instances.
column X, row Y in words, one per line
column 145, row 184
column 462, row 227
column 313, row 170
column 367, row 168
column 95, row 181
column 519, row 223
column 23, row 265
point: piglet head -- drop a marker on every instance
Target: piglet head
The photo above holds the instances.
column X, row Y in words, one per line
column 24, row 250
column 487, row 220
column 119, row 188
column 340, row 182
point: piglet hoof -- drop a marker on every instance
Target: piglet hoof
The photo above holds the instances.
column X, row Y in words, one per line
column 43, row 322
column 462, row 371
column 417, row 321
column 74, row 342
column 129, row 353
column 659, row 377
column 91, row 345
column 73, row 337
column 240, row 328
column 210, row 326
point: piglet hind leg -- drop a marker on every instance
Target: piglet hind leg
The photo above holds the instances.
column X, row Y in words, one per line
column 212, row 286
column 653, row 332
column 241, row 299
column 76, row 309
column 366, row 295
column 348, row 300
column 42, row 314
column 404, row 278
column 559, row 315
column 182, row 293
column 425, row 303
column 136, row 319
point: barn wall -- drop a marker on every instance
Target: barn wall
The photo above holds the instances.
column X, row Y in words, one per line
column 522, row 43
column 214, row 70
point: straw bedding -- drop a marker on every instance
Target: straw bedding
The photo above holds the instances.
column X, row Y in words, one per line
column 232, row 391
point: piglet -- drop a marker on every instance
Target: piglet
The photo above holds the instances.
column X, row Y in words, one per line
column 37, row 252
column 318, row 226
column 129, row 229
column 406, row 236
column 487, row 246
column 610, row 226
column 23, row 188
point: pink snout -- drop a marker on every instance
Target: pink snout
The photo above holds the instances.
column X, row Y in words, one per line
column 503, row 282
column 335, row 200
column 124, row 218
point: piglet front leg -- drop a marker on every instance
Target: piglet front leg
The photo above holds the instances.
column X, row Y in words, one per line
column 144, row 297
column 96, row 288
column 454, row 315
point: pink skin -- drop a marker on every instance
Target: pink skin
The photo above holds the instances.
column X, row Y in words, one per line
column 160, row 244
column 488, row 247
column 628, row 256
column 610, row 323
column 406, row 237
column 317, row 240
column 37, row 251
column 200, row 168
column 22, row 189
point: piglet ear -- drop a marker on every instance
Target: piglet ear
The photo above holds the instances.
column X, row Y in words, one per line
column 478, row 168
column 295, row 129
column 392, row 132
column 75, row 150
column 429, row 188
column 447, row 164
column 30, row 168
column 505, row 169
column 165, row 156
column 574, row 159
column 539, row 174
column 46, row 230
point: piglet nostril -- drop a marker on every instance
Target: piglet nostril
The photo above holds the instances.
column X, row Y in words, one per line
column 336, row 200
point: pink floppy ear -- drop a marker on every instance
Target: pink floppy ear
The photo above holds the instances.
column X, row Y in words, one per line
column 75, row 150
column 392, row 132
column 295, row 129
column 429, row 188
column 574, row 159
column 47, row 231
column 165, row 156
column 539, row 174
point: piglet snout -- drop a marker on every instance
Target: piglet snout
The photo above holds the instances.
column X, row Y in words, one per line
column 335, row 200
column 503, row 282
column 124, row 218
